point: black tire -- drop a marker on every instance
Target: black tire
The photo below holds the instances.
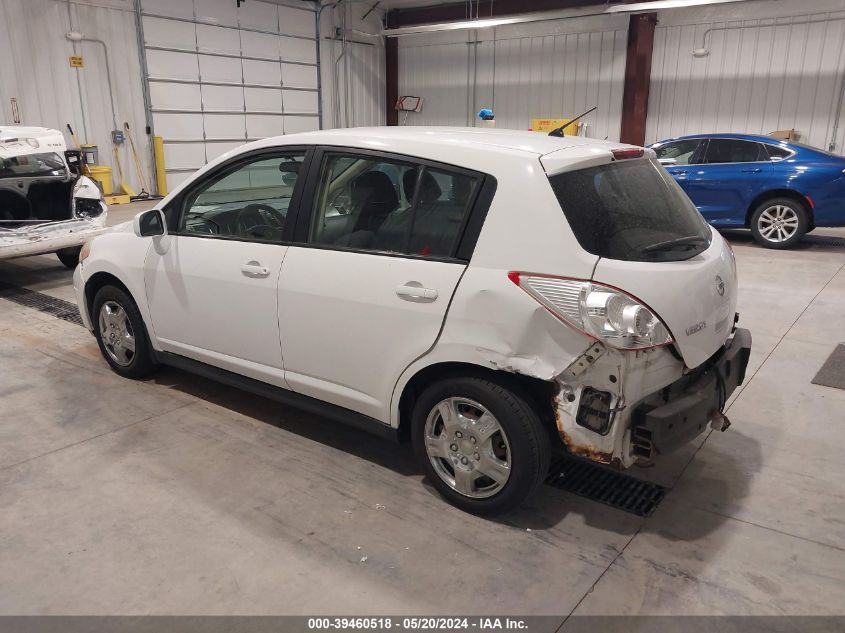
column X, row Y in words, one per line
column 526, row 437
column 69, row 256
column 142, row 362
column 768, row 235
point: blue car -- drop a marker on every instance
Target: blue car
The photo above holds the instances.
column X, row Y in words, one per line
column 780, row 190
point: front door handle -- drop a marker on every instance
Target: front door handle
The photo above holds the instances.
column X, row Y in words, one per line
column 756, row 170
column 254, row 269
column 414, row 291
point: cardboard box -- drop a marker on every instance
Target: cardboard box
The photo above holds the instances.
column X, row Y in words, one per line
column 785, row 135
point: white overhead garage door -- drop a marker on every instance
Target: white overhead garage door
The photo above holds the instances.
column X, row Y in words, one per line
column 220, row 75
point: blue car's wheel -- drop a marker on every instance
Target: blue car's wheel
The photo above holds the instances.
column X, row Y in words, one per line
column 779, row 223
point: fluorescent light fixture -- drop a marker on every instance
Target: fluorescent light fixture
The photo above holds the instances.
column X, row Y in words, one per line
column 543, row 16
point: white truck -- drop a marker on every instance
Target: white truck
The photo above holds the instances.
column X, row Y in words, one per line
column 46, row 204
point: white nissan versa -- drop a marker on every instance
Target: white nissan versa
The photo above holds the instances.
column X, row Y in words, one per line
column 492, row 295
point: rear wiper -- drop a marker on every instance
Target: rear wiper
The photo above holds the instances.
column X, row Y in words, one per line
column 682, row 243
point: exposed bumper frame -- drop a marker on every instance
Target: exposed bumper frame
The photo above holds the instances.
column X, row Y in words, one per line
column 684, row 409
column 49, row 237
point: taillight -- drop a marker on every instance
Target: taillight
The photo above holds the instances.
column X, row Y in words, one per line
column 628, row 152
column 599, row 311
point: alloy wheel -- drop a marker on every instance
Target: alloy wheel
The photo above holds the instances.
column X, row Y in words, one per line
column 778, row 223
column 116, row 333
column 467, row 447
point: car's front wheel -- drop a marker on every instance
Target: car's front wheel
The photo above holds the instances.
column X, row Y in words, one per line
column 121, row 334
column 481, row 444
column 779, row 223
column 69, row 256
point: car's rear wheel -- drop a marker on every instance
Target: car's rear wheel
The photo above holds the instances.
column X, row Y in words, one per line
column 121, row 334
column 69, row 256
column 481, row 444
column 779, row 223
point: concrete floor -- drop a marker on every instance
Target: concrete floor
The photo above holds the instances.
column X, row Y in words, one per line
column 178, row 496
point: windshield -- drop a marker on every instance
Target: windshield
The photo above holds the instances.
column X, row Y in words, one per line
column 631, row 210
column 48, row 164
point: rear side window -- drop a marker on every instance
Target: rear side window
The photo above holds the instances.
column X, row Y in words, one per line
column 632, row 211
column 727, row 150
column 778, row 153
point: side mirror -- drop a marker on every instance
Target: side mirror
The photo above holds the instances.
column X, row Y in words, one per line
column 149, row 223
column 667, row 161
column 73, row 158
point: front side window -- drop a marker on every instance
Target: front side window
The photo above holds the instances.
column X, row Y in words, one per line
column 47, row 164
column 631, row 210
column 390, row 206
column 677, row 152
column 727, row 150
column 249, row 202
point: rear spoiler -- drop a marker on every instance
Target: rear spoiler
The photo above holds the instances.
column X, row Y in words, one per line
column 583, row 156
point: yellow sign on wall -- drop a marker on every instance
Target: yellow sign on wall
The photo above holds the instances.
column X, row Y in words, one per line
column 76, row 61
column 547, row 125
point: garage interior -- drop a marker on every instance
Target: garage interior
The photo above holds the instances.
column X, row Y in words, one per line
column 175, row 495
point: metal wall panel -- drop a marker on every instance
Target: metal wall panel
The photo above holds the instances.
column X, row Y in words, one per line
column 35, row 71
column 550, row 69
column 761, row 74
column 353, row 84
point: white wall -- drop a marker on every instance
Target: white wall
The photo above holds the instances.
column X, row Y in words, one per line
column 35, row 70
column 772, row 65
column 357, row 81
column 779, row 65
column 551, row 69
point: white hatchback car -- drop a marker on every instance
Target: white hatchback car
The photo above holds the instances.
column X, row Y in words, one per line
column 491, row 295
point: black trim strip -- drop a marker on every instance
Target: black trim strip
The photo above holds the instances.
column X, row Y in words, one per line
column 284, row 396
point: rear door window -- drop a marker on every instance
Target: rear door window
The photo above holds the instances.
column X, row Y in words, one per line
column 631, row 210
column 390, row 205
column 728, row 150
column 677, row 152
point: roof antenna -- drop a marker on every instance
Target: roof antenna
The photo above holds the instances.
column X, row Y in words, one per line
column 559, row 131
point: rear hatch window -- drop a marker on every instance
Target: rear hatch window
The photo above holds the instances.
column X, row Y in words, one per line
column 631, row 210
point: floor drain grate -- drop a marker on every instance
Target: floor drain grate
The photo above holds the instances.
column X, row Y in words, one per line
column 607, row 486
column 824, row 240
column 59, row 308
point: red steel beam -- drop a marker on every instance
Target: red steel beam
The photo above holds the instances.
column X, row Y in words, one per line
column 637, row 78
column 391, row 80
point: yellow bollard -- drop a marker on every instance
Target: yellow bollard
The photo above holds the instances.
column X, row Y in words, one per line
column 161, row 175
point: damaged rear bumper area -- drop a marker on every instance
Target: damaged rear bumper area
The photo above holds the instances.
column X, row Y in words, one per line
column 624, row 408
column 680, row 412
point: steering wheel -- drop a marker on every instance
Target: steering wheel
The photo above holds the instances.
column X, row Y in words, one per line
column 254, row 217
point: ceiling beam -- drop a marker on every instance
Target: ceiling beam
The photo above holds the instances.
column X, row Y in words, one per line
column 412, row 16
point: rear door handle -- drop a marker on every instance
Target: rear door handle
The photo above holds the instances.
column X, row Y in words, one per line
column 254, row 269
column 678, row 172
column 414, row 291
column 756, row 170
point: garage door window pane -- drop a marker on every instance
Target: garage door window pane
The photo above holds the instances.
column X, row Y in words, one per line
column 250, row 203
column 390, row 206
column 723, row 150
